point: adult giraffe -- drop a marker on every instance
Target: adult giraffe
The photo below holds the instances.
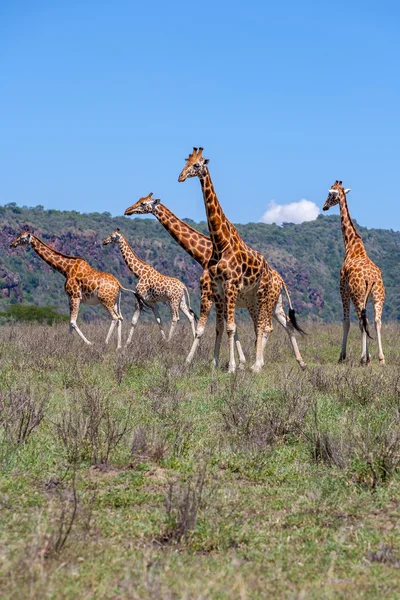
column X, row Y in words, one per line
column 359, row 277
column 235, row 269
column 199, row 247
column 83, row 283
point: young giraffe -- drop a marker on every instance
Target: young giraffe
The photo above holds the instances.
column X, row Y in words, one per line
column 359, row 277
column 154, row 287
column 199, row 247
column 83, row 283
column 234, row 269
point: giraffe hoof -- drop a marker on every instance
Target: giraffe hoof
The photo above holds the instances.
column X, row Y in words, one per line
column 256, row 368
column 382, row 362
column 242, row 366
column 302, row 365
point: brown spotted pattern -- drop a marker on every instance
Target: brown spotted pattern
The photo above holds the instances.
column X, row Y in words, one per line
column 154, row 287
column 83, row 282
column 359, row 277
column 199, row 247
column 235, row 270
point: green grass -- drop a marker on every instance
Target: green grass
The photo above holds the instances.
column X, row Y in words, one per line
column 127, row 475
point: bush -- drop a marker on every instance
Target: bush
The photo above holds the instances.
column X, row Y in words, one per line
column 40, row 314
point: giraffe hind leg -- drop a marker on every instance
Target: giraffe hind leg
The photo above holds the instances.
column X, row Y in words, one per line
column 280, row 316
column 378, row 305
column 184, row 308
column 116, row 320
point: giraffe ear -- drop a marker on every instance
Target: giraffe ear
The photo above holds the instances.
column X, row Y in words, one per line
column 206, row 161
column 347, row 191
column 156, row 201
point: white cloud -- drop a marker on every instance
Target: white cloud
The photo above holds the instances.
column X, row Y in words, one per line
column 295, row 212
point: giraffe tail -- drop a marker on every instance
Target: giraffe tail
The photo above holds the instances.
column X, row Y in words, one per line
column 196, row 318
column 364, row 319
column 143, row 305
column 292, row 313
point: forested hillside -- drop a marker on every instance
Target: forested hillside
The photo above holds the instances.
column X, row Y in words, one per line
column 309, row 257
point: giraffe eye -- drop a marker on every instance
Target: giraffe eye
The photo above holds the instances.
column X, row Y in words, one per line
column 196, row 165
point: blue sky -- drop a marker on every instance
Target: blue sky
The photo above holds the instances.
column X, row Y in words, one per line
column 102, row 101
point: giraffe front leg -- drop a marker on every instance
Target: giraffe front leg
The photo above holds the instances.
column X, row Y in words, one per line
column 346, row 319
column 231, row 293
column 242, row 358
column 206, row 303
column 219, row 308
column 280, row 316
column 74, row 303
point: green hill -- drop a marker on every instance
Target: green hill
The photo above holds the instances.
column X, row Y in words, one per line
column 309, row 257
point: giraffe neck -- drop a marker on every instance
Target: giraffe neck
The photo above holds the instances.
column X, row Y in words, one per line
column 59, row 262
column 221, row 230
column 196, row 244
column 351, row 238
column 135, row 264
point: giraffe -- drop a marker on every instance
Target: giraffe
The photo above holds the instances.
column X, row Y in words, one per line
column 235, row 269
column 154, row 287
column 199, row 247
column 359, row 277
column 83, row 284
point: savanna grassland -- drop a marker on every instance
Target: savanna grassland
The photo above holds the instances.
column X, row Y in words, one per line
column 127, row 475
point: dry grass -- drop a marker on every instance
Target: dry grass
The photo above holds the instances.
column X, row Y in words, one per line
column 128, row 475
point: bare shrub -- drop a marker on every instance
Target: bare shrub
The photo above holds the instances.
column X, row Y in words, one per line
column 366, row 444
column 182, row 504
column 149, row 444
column 21, row 412
column 91, row 428
column 385, row 555
column 256, row 420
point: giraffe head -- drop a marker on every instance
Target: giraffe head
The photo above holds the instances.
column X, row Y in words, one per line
column 114, row 238
column 143, row 206
column 196, row 165
column 22, row 239
column 334, row 195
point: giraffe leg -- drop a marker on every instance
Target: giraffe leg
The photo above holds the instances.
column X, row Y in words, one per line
column 219, row 307
column 116, row 320
column 378, row 324
column 280, row 316
column 135, row 319
column 242, row 358
column 206, row 303
column 184, row 308
column 74, row 304
column 346, row 319
column 158, row 319
column 231, row 292
column 264, row 328
column 365, row 358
